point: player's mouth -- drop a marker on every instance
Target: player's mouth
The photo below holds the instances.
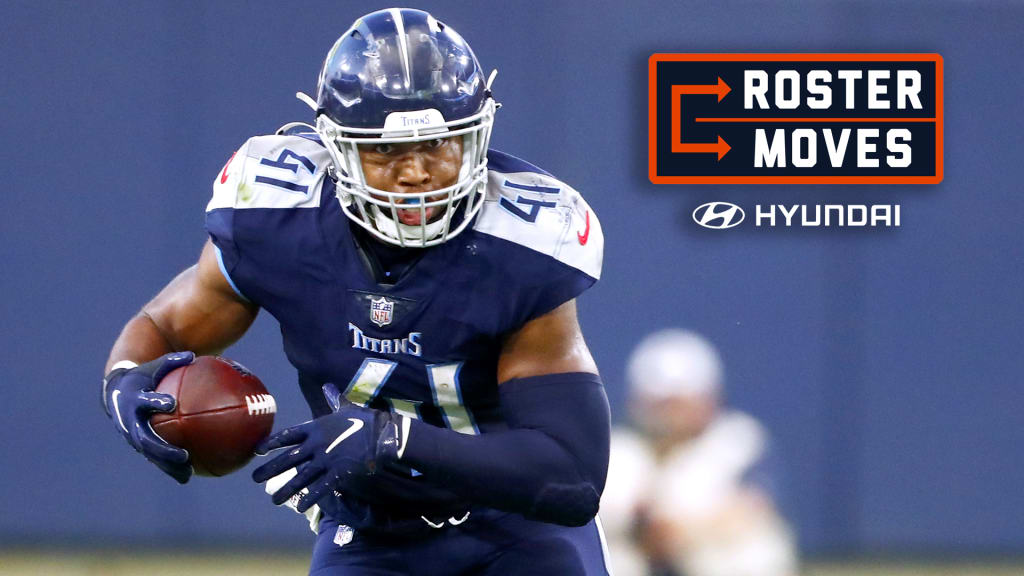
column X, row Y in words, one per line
column 412, row 216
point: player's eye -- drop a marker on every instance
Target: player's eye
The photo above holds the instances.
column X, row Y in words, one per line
column 383, row 148
column 435, row 143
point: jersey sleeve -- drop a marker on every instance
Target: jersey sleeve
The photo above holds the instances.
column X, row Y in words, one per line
column 220, row 213
column 266, row 173
column 560, row 241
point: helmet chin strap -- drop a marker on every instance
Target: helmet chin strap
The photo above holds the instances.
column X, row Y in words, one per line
column 361, row 202
column 416, row 233
column 389, row 227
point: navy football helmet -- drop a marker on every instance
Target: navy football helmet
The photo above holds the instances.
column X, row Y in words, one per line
column 400, row 75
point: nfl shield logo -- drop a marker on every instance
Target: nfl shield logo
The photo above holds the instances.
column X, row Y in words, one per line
column 381, row 311
column 343, row 535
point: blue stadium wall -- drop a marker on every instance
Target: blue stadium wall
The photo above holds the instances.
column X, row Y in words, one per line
column 886, row 363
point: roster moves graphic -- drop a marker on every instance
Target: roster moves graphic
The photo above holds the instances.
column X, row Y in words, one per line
column 795, row 118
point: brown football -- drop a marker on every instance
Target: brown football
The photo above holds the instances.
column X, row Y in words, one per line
column 223, row 413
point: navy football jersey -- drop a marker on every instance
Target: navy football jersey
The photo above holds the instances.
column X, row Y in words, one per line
column 427, row 345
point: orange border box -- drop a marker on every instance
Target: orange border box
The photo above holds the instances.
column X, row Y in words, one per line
column 653, row 118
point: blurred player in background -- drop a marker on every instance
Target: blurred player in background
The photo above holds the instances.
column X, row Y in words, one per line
column 425, row 287
column 690, row 492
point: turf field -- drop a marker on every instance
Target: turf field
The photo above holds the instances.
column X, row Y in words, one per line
column 24, row 563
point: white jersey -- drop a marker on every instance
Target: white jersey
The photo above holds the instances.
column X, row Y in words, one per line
column 695, row 486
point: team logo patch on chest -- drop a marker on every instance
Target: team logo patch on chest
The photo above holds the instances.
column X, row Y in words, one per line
column 382, row 311
column 385, row 311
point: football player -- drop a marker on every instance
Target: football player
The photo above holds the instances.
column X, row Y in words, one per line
column 691, row 490
column 425, row 287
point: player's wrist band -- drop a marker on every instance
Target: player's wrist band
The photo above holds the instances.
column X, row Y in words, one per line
column 125, row 364
column 121, row 366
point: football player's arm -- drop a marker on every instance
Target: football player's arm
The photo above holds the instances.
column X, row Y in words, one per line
column 551, row 464
column 197, row 312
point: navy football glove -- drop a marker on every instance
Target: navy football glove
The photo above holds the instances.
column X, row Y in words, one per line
column 336, row 451
column 129, row 400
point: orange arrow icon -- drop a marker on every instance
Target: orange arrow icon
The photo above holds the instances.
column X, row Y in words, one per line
column 720, row 147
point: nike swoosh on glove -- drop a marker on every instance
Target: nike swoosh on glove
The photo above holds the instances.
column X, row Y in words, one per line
column 331, row 452
column 130, row 401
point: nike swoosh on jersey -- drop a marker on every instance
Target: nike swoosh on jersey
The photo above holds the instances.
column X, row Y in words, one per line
column 356, row 426
column 224, row 173
column 586, row 232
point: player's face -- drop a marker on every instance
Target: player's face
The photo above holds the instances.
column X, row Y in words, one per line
column 411, row 168
column 677, row 419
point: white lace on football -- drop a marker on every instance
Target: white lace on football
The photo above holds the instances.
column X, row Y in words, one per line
column 257, row 404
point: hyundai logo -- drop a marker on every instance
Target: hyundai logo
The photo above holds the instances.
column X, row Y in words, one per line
column 718, row 215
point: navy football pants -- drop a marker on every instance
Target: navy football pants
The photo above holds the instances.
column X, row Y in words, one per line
column 488, row 543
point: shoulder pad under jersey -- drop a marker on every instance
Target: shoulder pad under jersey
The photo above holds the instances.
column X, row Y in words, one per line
column 530, row 207
column 279, row 171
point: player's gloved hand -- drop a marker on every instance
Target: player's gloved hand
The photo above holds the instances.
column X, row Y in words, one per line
column 312, row 513
column 332, row 452
column 129, row 400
